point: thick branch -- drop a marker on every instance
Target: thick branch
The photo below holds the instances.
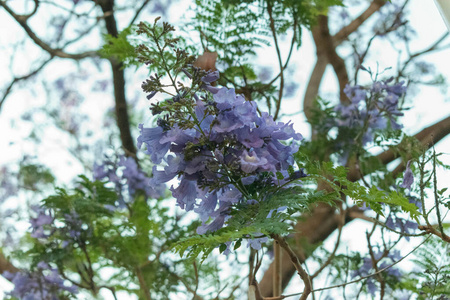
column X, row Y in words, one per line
column 356, row 23
column 312, row 89
column 22, row 20
column 428, row 137
column 123, row 122
column 6, row 266
column 325, row 41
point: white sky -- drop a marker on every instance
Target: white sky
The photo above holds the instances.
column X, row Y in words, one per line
column 429, row 104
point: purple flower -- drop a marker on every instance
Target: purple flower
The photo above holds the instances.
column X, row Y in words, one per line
column 408, row 177
column 152, row 138
column 211, row 77
column 227, row 122
column 185, row 193
column 251, row 162
column 220, row 216
column 38, row 223
column 36, row 286
column 255, row 243
column 216, row 144
column 355, row 93
column 131, row 177
column 278, row 210
column 403, row 225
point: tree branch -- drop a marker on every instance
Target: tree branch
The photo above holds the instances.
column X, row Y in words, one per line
column 138, row 12
column 22, row 20
column 280, row 62
column 21, row 78
column 6, row 265
column 297, row 265
column 122, row 117
column 325, row 40
column 356, row 23
column 428, row 137
column 312, row 89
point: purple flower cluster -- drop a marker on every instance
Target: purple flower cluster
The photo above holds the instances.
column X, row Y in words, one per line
column 383, row 261
column 38, row 227
column 402, row 225
column 43, row 227
column 126, row 174
column 371, row 108
column 44, row 283
column 222, row 149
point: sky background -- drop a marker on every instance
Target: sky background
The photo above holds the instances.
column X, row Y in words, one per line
column 430, row 104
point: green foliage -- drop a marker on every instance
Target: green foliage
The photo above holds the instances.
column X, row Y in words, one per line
column 430, row 278
column 128, row 243
column 121, row 47
column 33, row 176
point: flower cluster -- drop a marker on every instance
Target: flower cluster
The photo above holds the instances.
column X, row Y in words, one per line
column 127, row 175
column 404, row 226
column 220, row 149
column 43, row 227
column 382, row 260
column 44, row 283
column 370, row 109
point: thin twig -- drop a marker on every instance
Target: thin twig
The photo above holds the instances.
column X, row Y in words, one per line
column 277, row 269
column 280, row 62
column 330, row 258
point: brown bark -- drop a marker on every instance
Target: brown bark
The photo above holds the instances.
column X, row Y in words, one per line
column 6, row 266
column 122, row 117
column 325, row 42
column 343, row 34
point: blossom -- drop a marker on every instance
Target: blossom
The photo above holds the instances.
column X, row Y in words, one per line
column 408, row 177
column 38, row 285
column 403, row 225
column 255, row 243
column 217, row 143
column 384, row 260
column 38, row 223
column 211, row 77
column 371, row 109
column 126, row 175
column 152, row 138
column 251, row 162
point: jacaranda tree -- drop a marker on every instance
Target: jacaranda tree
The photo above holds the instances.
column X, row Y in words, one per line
column 203, row 187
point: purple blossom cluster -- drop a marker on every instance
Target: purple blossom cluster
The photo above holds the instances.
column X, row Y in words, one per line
column 43, row 227
column 127, row 175
column 402, row 225
column 45, row 283
column 371, row 108
column 382, row 260
column 218, row 152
